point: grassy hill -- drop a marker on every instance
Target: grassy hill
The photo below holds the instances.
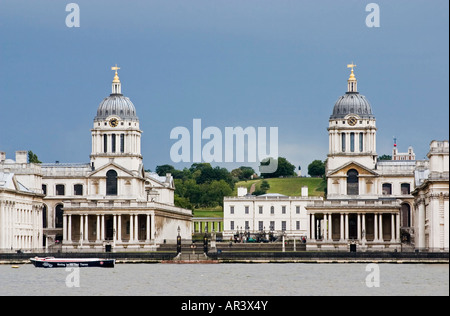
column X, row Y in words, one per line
column 287, row 186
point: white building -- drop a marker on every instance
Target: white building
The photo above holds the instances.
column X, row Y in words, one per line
column 267, row 213
column 21, row 204
column 431, row 199
column 111, row 201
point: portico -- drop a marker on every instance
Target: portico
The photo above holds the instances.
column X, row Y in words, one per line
column 371, row 224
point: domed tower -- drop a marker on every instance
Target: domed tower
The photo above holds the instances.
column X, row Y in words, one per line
column 352, row 129
column 116, row 136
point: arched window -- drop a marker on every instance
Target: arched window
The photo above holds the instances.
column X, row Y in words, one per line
column 111, row 182
column 352, row 142
column 343, row 142
column 59, row 216
column 352, row 182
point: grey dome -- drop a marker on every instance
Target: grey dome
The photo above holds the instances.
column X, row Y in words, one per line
column 116, row 104
column 352, row 103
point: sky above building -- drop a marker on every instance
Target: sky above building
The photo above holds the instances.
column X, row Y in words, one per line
column 253, row 63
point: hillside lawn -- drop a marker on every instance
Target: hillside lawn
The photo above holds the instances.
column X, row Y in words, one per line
column 285, row 186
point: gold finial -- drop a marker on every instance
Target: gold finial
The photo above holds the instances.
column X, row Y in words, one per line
column 116, row 76
column 352, row 75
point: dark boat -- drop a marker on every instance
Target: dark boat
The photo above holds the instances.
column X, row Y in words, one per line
column 51, row 262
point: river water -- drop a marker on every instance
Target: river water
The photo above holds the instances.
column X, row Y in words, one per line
column 289, row 279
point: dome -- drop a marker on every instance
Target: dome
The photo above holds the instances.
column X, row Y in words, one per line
column 352, row 103
column 116, row 104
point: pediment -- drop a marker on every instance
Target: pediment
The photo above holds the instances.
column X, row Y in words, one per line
column 362, row 170
column 121, row 171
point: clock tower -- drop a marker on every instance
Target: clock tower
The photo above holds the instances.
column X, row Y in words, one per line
column 116, row 137
column 352, row 129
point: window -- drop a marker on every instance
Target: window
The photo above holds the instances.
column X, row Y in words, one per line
column 60, row 189
column 361, row 142
column 231, row 209
column 59, row 216
column 111, row 182
column 297, row 225
column 261, row 225
column 246, row 210
column 105, row 143
column 113, row 143
column 343, row 142
column 406, row 215
column 44, row 189
column 352, row 142
column 44, row 216
column 283, row 209
column 78, row 189
column 387, row 189
column 272, row 225
column 352, row 182
column 405, row 187
column 283, row 225
column 272, row 210
column 260, row 210
column 232, row 225
column 297, row 209
column 247, row 226
column 122, row 142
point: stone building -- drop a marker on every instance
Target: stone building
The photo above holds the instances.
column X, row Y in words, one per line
column 111, row 202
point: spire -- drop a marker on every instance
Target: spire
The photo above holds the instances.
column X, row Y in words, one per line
column 116, row 85
column 352, row 82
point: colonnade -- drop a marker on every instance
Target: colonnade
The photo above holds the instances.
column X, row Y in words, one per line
column 112, row 227
column 346, row 226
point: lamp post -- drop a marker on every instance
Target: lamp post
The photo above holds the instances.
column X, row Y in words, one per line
column 178, row 241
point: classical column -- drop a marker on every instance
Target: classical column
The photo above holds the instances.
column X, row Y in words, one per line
column 98, row 228
column 119, row 227
column 330, row 227
column 114, row 227
column 325, row 227
column 420, row 234
column 81, row 229
column 103, row 237
column 397, row 230
column 313, row 227
column 381, row 227
column 69, row 228
column 152, row 223
column 392, row 228
column 86, row 229
column 359, row 227
column 136, row 227
column 131, row 227
column 346, row 226
column 364, row 230
column 375, row 228
column 64, row 227
column 342, row 227
column 147, row 228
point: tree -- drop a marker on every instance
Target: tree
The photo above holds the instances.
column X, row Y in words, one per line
column 243, row 173
column 164, row 169
column 33, row 158
column 316, row 168
column 264, row 186
column 385, row 157
column 285, row 169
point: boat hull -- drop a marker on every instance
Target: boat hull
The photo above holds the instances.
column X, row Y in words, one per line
column 67, row 262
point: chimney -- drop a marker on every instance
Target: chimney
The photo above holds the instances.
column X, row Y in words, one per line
column 241, row 191
column 21, row 156
column 2, row 156
column 304, row 191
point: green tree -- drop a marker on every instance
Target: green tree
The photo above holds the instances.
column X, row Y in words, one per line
column 285, row 169
column 316, row 168
column 32, row 157
column 385, row 157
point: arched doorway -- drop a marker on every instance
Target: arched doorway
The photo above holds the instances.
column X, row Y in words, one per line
column 405, row 215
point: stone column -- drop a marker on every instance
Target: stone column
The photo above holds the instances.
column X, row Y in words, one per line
column 98, row 228
column 69, row 228
column 364, row 230
column 342, row 226
column 358, row 227
column 330, row 227
column 325, row 227
column 86, row 229
column 381, row 227
column 313, row 227
column 392, row 228
column 114, row 227
column 136, row 227
column 375, row 228
column 153, row 225
column 131, row 227
column 397, row 230
column 64, row 227
column 420, row 234
column 103, row 236
column 119, row 227
column 346, row 226
column 147, row 228
column 81, row 229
